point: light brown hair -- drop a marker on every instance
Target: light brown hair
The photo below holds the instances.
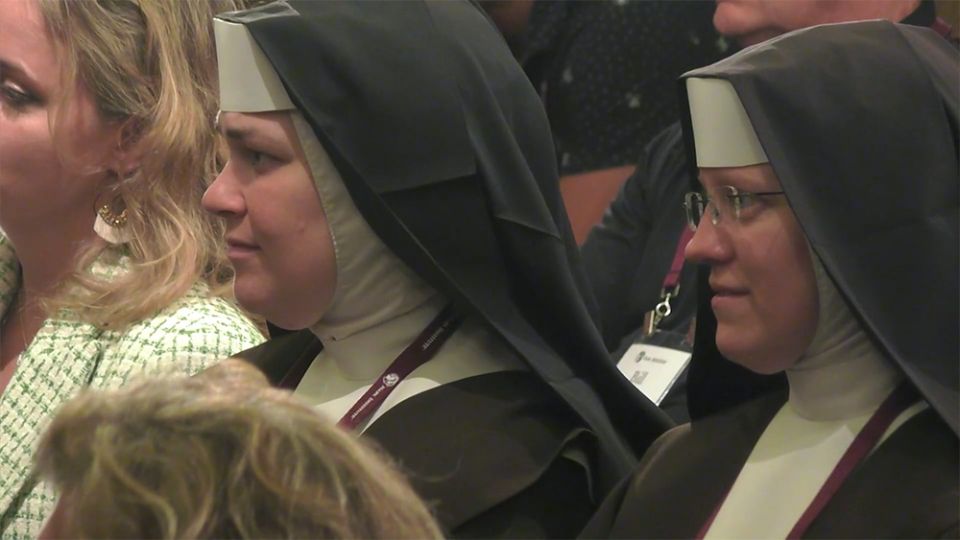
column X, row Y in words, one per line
column 149, row 65
column 219, row 455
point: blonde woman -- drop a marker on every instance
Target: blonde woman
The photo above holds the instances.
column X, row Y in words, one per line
column 108, row 267
column 219, row 455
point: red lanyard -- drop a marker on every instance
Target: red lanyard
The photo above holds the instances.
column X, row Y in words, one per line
column 673, row 276
column 415, row 355
column 671, row 284
column 897, row 402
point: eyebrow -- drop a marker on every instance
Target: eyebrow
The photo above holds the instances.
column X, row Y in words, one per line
column 235, row 133
column 7, row 67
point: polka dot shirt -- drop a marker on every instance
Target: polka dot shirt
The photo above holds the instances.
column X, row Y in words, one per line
column 607, row 69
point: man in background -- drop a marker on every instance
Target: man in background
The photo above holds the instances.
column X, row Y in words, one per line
column 605, row 70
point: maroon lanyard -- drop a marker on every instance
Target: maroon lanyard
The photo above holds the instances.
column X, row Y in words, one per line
column 673, row 276
column 671, row 285
column 415, row 355
column 897, row 402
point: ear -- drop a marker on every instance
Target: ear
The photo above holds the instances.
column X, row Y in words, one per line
column 127, row 151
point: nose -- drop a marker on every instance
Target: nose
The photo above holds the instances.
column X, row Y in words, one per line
column 709, row 244
column 222, row 197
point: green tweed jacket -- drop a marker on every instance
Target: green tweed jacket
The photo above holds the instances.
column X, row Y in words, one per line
column 66, row 356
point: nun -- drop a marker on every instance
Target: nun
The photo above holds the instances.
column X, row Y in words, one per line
column 393, row 211
column 827, row 215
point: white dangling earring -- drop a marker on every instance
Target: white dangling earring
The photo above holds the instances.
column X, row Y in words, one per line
column 110, row 225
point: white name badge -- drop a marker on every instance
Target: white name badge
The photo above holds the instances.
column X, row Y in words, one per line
column 652, row 369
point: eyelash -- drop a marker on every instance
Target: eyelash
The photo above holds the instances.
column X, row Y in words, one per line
column 16, row 98
column 256, row 158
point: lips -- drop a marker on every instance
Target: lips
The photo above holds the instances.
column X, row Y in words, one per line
column 237, row 248
column 727, row 298
column 720, row 289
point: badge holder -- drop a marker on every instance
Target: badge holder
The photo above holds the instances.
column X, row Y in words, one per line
column 657, row 360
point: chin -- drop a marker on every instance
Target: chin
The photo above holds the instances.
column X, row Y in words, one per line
column 271, row 310
column 254, row 298
column 746, row 352
column 725, row 19
column 737, row 22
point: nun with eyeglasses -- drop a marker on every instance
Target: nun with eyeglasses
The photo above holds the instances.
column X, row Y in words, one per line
column 826, row 213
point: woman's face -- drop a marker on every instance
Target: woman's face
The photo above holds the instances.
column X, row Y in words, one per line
column 277, row 234
column 765, row 300
column 45, row 185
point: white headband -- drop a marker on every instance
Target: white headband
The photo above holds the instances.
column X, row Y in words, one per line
column 248, row 82
column 722, row 132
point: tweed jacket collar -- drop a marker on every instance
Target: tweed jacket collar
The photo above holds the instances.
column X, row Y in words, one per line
column 60, row 360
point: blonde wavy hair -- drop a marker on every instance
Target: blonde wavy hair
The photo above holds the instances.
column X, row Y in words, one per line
column 151, row 66
column 218, row 455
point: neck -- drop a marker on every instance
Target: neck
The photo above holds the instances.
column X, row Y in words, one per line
column 848, row 380
column 21, row 321
column 47, row 254
column 856, row 10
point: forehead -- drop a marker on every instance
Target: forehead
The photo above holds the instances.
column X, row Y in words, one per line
column 750, row 178
column 25, row 44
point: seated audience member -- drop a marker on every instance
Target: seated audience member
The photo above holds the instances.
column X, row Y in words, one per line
column 217, row 455
column 828, row 218
column 605, row 71
column 402, row 209
column 628, row 257
column 108, row 266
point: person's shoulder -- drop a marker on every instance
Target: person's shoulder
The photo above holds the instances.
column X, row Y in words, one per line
column 703, row 436
column 192, row 333
column 668, row 145
column 198, row 311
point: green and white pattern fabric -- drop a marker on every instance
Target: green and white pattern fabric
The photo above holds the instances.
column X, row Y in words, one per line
column 66, row 356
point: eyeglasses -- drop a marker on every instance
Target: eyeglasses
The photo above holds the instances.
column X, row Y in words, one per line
column 728, row 201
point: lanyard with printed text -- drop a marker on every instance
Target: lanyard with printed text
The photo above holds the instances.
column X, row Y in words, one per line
column 415, row 355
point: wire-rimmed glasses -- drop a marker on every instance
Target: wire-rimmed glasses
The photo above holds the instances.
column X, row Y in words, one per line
column 727, row 201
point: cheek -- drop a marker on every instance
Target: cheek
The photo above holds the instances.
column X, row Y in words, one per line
column 36, row 183
column 34, row 190
column 27, row 154
column 800, row 299
column 296, row 278
column 776, row 327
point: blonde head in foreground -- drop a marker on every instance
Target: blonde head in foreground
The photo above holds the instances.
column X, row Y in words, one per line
column 218, row 455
